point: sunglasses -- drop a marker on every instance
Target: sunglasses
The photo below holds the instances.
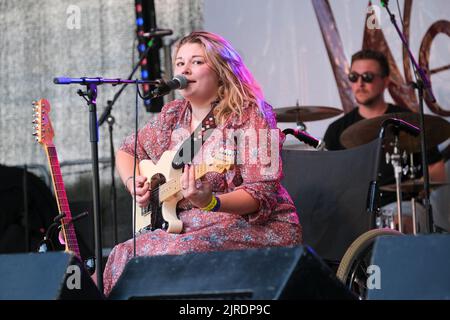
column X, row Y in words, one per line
column 366, row 76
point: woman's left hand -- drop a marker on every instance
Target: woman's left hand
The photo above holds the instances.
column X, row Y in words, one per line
column 199, row 192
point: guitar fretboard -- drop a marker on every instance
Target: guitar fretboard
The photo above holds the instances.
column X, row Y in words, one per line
column 63, row 204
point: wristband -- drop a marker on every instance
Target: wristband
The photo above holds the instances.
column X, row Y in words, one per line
column 217, row 206
column 211, row 205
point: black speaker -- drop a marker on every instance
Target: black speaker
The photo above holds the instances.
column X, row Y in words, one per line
column 270, row 273
column 410, row 268
column 45, row 276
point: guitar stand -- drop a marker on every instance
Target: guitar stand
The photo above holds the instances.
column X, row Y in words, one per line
column 89, row 263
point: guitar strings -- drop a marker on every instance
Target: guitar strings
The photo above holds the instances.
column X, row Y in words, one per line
column 155, row 191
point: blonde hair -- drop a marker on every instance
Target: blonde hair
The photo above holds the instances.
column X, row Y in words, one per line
column 236, row 84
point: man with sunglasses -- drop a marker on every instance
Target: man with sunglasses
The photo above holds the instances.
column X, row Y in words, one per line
column 369, row 78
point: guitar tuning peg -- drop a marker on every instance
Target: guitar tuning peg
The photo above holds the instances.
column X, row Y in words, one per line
column 34, row 133
column 34, row 102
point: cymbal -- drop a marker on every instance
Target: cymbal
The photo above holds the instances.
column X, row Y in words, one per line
column 412, row 186
column 437, row 130
column 305, row 113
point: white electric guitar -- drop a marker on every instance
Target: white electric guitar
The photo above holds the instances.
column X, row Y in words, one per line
column 165, row 184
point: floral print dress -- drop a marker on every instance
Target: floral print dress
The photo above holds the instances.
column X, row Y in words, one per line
column 259, row 173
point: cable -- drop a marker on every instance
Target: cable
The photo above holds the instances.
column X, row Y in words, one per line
column 134, row 166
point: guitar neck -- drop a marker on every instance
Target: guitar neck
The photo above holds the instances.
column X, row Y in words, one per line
column 61, row 198
column 173, row 186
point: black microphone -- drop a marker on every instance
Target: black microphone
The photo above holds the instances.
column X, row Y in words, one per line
column 164, row 87
column 157, row 33
column 402, row 125
column 306, row 138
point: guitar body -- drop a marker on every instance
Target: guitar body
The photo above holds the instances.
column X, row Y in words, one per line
column 165, row 189
column 160, row 214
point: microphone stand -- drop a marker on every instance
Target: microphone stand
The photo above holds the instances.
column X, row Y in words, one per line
column 91, row 94
column 422, row 84
column 106, row 116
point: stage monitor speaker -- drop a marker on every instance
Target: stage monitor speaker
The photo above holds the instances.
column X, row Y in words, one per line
column 410, row 268
column 45, row 276
column 269, row 273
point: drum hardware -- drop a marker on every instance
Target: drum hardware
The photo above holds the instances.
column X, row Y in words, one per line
column 437, row 130
column 413, row 187
column 395, row 160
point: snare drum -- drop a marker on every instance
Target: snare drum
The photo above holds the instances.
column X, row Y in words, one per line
column 388, row 217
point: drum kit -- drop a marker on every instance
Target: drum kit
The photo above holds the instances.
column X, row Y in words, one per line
column 397, row 144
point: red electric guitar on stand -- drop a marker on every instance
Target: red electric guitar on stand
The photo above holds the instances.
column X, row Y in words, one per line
column 44, row 135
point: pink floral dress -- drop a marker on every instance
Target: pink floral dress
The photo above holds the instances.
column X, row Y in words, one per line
column 274, row 224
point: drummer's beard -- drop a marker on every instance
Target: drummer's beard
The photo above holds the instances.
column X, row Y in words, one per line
column 370, row 101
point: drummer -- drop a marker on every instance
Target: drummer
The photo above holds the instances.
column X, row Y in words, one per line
column 369, row 77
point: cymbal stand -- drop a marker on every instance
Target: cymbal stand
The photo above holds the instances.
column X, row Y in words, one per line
column 395, row 159
column 300, row 125
column 412, row 175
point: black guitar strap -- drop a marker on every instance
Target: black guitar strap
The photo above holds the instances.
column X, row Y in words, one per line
column 196, row 140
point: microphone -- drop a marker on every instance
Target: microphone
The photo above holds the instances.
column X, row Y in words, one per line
column 157, row 33
column 402, row 125
column 306, row 138
column 178, row 82
column 65, row 80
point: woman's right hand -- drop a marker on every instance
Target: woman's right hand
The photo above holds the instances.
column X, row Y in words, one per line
column 142, row 190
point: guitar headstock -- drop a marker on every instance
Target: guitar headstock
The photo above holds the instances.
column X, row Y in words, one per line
column 41, row 122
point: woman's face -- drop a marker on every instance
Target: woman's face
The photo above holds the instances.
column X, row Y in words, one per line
column 191, row 62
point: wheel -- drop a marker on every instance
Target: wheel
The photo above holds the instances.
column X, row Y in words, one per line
column 354, row 263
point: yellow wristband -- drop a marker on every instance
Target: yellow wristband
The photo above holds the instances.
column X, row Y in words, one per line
column 211, row 204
